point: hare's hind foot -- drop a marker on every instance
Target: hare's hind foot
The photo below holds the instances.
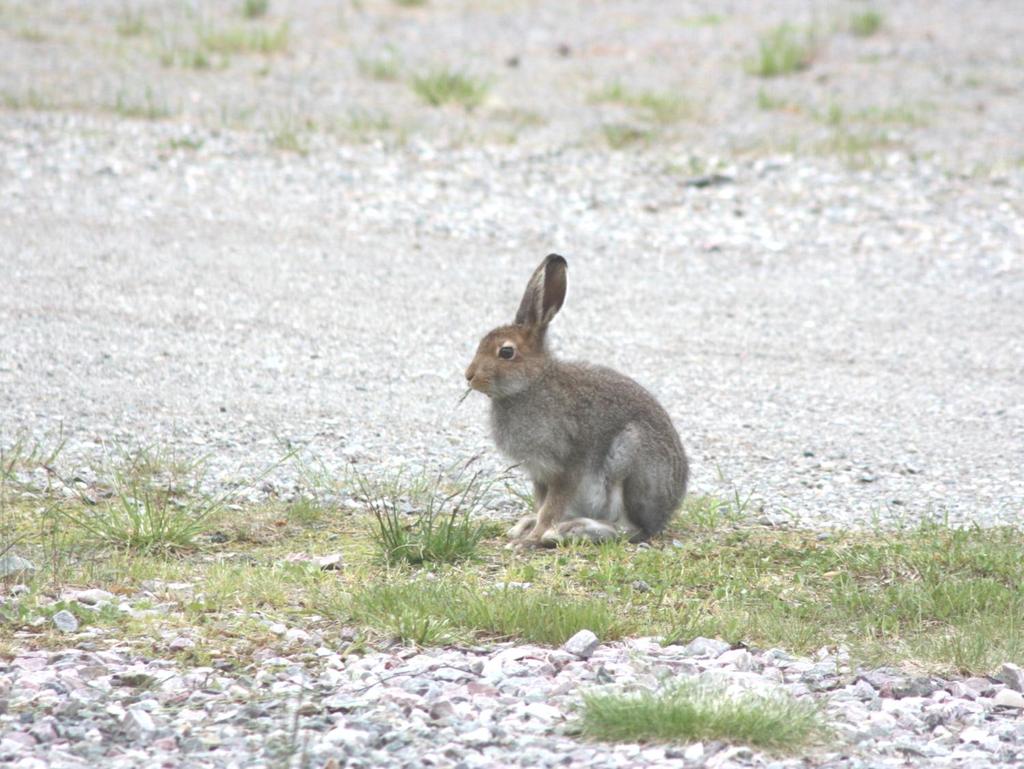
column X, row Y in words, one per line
column 580, row 530
column 523, row 527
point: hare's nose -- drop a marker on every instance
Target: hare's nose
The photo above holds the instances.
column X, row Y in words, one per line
column 470, row 373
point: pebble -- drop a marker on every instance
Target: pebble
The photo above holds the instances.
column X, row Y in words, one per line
column 12, row 565
column 1009, row 698
column 583, row 644
column 91, row 597
column 1012, row 676
column 138, row 723
column 65, row 621
column 706, row 647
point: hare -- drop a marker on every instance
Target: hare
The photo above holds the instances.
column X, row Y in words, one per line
column 603, row 455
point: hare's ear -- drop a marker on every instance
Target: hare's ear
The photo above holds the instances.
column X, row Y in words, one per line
column 544, row 294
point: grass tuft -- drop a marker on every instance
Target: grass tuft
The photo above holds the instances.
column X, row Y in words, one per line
column 383, row 68
column 620, row 135
column 782, row 51
column 254, row 9
column 153, row 504
column 444, row 86
column 131, row 22
column 656, row 106
column 690, row 711
column 241, row 40
column 866, row 23
column 149, row 107
column 441, row 529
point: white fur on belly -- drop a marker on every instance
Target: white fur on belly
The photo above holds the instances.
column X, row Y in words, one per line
column 598, row 500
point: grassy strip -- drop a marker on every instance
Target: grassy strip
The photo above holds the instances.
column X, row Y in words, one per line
column 782, row 51
column 942, row 598
column 437, row 612
column 690, row 711
column 444, row 86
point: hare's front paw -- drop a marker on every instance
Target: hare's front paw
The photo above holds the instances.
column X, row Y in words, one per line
column 523, row 527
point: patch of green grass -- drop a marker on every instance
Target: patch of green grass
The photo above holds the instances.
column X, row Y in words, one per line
column 364, row 125
column 442, row 528
column 770, row 103
column 906, row 114
column 445, row 86
column 857, row 148
column 410, row 3
column 689, row 711
column 452, row 609
column 151, row 507
column 834, row 114
column 245, row 39
column 620, row 135
column 29, row 100
column 656, row 106
column 287, row 138
column 306, row 512
column 703, row 20
column 866, row 23
column 32, row 35
column 131, row 22
column 782, row 51
column 254, row 9
column 185, row 143
column 382, row 68
column 148, row 107
column 197, row 58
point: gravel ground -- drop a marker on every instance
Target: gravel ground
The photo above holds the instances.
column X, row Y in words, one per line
column 821, row 276
column 842, row 344
column 839, row 345
column 471, row 707
column 468, row 708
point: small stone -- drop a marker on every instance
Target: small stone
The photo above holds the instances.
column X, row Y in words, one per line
column 296, row 635
column 65, row 621
column 14, row 565
column 982, row 686
column 133, row 679
column 973, row 734
column 694, row 752
column 181, row 643
column 740, row 659
column 138, row 723
column 91, row 597
column 882, row 678
column 640, row 586
column 330, row 562
column 350, row 738
column 277, row 628
column 914, row 687
column 442, row 710
column 1009, row 698
column 1012, row 676
column 706, row 647
column 583, row 644
column 478, row 736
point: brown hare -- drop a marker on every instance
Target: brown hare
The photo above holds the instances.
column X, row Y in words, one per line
column 603, row 455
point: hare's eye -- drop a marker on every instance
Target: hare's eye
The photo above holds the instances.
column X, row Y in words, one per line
column 506, row 352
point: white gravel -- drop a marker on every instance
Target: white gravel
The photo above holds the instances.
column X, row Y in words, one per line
column 843, row 346
column 480, row 707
